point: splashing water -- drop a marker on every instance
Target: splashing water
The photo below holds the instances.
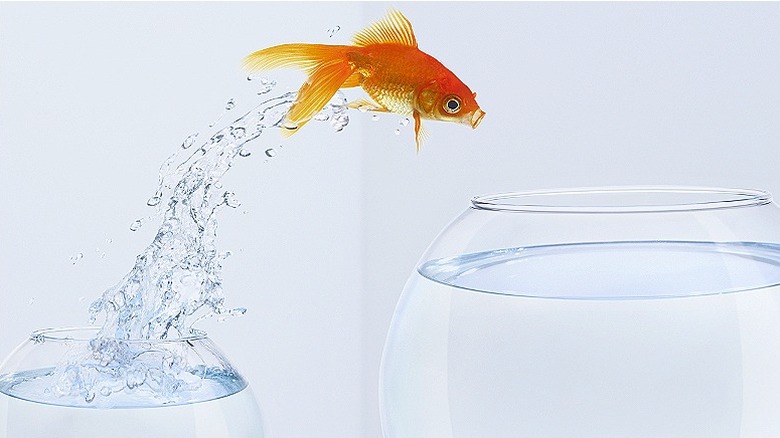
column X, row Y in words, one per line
column 176, row 281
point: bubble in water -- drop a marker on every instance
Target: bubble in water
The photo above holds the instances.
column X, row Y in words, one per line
column 244, row 152
column 404, row 122
column 230, row 200
column 397, row 131
column 230, row 104
column 375, row 118
column 270, row 153
column 75, row 258
column 189, row 141
column 136, row 225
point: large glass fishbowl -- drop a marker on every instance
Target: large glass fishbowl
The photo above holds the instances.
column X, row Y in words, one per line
column 592, row 313
column 71, row 383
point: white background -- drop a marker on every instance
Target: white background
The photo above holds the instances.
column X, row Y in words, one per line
column 93, row 98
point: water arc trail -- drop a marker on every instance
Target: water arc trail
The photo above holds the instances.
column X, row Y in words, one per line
column 176, row 280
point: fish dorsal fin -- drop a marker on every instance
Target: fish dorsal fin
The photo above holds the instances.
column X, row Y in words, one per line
column 393, row 29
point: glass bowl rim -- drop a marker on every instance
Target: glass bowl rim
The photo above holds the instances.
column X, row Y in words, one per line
column 735, row 198
column 59, row 335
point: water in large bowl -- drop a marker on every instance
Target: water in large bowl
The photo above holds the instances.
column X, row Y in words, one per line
column 651, row 339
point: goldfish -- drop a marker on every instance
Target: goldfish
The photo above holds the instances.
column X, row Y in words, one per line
column 386, row 63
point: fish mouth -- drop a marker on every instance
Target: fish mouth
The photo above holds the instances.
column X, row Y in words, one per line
column 476, row 118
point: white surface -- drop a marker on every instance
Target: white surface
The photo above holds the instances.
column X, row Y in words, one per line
column 93, row 97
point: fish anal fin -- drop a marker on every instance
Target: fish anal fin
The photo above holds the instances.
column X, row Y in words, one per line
column 315, row 93
column 367, row 105
column 393, row 29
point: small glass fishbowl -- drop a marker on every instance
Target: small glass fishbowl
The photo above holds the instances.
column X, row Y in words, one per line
column 592, row 313
column 60, row 383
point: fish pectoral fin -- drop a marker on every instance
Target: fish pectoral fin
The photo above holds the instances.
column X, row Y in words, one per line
column 324, row 81
column 420, row 134
column 368, row 105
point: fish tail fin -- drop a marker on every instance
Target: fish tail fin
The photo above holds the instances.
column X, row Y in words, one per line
column 301, row 56
column 328, row 67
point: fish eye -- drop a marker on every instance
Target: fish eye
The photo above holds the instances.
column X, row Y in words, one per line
column 452, row 104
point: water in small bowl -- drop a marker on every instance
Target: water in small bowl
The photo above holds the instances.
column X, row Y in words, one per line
column 57, row 384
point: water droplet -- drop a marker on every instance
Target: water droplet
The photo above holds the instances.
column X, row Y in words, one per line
column 404, row 122
column 290, row 126
column 90, row 396
column 339, row 121
column 266, row 85
column 230, row 104
column 189, row 141
column 230, row 199
column 76, row 257
column 105, row 391
column 102, row 255
column 136, row 225
column 244, row 212
column 81, row 299
column 375, row 118
column 155, row 199
column 32, row 301
column 109, row 240
column 238, row 132
column 244, row 153
column 364, row 108
column 333, row 30
column 397, row 132
column 270, row 153
column 322, row 117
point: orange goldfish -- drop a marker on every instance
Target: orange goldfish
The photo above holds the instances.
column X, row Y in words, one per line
column 384, row 60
